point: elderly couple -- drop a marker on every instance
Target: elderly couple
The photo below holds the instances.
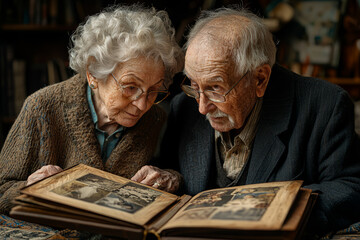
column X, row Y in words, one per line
column 241, row 118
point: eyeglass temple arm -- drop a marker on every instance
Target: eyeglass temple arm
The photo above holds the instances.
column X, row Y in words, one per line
column 235, row 84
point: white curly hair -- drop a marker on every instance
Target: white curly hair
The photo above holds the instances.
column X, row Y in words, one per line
column 120, row 33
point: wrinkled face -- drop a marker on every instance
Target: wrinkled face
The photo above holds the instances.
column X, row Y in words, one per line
column 209, row 67
column 146, row 74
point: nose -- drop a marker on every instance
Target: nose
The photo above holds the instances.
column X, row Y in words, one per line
column 141, row 102
column 205, row 105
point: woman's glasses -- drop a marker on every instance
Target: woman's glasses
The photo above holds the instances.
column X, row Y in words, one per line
column 133, row 92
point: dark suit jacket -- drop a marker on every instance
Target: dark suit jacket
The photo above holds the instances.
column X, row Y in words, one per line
column 306, row 131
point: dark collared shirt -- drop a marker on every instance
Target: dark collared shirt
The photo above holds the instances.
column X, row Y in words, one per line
column 235, row 154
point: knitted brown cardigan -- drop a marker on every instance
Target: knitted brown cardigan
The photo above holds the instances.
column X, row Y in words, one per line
column 55, row 127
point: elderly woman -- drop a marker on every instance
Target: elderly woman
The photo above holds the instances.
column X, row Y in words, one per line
column 105, row 116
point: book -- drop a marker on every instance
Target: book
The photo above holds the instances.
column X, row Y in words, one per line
column 86, row 198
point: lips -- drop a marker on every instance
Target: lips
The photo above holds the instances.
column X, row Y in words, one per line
column 217, row 119
column 133, row 116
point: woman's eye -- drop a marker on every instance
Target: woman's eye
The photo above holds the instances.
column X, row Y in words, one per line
column 130, row 90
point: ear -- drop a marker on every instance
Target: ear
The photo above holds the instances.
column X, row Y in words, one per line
column 92, row 81
column 262, row 76
column 90, row 78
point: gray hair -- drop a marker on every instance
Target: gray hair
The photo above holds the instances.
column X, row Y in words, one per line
column 253, row 47
column 120, row 33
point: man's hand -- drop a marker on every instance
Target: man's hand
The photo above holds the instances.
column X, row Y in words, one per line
column 42, row 173
column 157, row 178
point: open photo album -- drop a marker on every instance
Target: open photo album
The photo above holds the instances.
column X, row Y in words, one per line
column 88, row 199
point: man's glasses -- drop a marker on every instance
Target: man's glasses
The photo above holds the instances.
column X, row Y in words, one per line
column 133, row 92
column 211, row 95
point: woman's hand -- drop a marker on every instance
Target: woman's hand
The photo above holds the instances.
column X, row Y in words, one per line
column 157, row 178
column 42, row 173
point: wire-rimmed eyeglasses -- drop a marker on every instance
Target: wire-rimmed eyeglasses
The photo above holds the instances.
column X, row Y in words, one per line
column 133, row 92
column 211, row 95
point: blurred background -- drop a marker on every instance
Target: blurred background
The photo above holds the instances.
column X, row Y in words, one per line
column 319, row 38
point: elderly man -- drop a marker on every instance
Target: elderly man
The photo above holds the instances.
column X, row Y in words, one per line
column 243, row 119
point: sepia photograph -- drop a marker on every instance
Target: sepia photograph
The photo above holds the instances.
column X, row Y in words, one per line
column 137, row 194
column 95, row 189
column 95, row 180
column 81, row 191
column 117, row 202
column 196, row 214
column 211, row 199
column 247, row 204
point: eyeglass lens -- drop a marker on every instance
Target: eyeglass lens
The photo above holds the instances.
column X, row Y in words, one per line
column 211, row 95
column 133, row 93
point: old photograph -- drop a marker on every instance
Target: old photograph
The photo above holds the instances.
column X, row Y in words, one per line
column 249, row 204
column 137, row 194
column 81, row 191
column 211, row 199
column 117, row 202
column 104, row 183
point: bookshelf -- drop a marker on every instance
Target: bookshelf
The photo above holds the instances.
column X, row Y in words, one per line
column 35, row 36
column 35, row 27
column 25, row 52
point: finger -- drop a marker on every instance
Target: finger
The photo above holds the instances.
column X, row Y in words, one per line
column 41, row 170
column 35, row 177
column 148, row 180
column 57, row 168
column 172, row 186
column 48, row 168
column 141, row 174
column 170, row 182
column 167, row 185
column 51, row 170
column 151, row 178
column 157, row 185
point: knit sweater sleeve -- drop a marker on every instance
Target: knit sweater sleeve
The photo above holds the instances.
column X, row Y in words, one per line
column 19, row 154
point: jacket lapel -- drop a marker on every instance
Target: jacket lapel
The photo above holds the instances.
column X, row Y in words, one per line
column 197, row 153
column 205, row 153
column 274, row 119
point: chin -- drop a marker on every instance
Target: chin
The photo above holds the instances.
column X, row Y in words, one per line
column 126, row 121
column 128, row 124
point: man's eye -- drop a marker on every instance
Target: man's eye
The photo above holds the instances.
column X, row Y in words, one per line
column 216, row 88
column 194, row 85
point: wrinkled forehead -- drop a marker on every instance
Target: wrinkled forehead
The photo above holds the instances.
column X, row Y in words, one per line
column 208, row 56
column 213, row 46
column 208, row 45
